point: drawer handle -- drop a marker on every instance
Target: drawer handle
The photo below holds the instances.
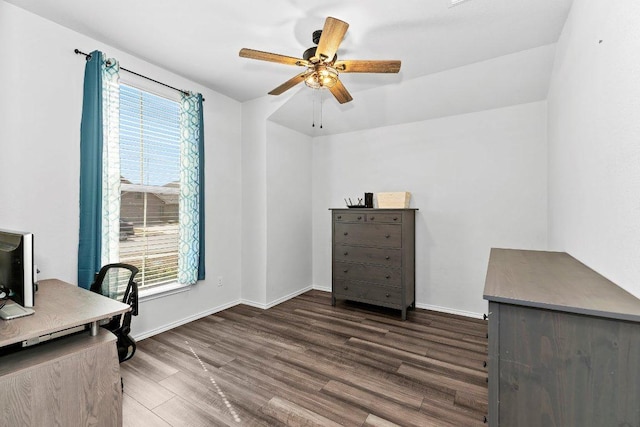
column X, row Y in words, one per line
column 359, row 218
column 339, row 217
column 484, row 364
column 372, row 218
column 346, row 233
column 395, row 218
column 387, row 236
column 346, row 288
column 346, row 270
column 387, row 295
column 387, row 257
column 346, row 253
column 387, row 276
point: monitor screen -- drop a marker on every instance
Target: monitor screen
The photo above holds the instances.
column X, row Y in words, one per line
column 16, row 266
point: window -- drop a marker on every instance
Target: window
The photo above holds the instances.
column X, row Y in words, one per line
column 149, row 185
column 141, row 179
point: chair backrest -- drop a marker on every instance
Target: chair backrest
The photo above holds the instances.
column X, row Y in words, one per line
column 116, row 281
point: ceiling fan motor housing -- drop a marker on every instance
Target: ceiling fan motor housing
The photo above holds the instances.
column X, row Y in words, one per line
column 309, row 53
column 316, row 36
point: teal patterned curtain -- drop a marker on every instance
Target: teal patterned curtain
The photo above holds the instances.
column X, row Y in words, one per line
column 191, row 245
column 89, row 243
column 110, row 162
column 99, row 190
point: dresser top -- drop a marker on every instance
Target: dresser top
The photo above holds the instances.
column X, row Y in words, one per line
column 372, row 209
column 555, row 281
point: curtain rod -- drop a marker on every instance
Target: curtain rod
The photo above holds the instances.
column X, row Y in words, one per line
column 87, row 57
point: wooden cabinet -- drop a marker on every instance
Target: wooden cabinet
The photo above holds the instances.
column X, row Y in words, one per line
column 564, row 343
column 374, row 257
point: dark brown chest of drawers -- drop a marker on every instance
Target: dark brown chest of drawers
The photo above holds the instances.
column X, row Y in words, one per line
column 374, row 257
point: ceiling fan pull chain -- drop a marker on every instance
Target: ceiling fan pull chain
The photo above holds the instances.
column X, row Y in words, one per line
column 313, row 118
column 320, row 108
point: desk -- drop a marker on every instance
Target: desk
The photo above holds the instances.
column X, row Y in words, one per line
column 71, row 381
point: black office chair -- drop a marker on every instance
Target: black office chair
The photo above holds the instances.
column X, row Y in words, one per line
column 113, row 281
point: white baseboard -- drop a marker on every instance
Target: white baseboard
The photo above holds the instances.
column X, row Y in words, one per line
column 449, row 310
column 181, row 322
column 277, row 301
column 321, row 288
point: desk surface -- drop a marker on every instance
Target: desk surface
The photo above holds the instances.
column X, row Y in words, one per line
column 555, row 281
column 58, row 306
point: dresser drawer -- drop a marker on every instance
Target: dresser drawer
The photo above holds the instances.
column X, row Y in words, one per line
column 349, row 216
column 367, row 292
column 387, row 276
column 385, row 217
column 383, row 235
column 382, row 256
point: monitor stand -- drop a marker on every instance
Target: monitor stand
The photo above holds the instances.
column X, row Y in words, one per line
column 13, row 311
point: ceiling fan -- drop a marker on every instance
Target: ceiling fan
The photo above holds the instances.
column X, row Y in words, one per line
column 322, row 64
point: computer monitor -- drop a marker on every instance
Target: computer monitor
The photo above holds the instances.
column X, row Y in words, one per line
column 17, row 272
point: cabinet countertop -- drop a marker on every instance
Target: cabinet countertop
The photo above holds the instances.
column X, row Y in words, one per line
column 372, row 209
column 59, row 306
column 555, row 281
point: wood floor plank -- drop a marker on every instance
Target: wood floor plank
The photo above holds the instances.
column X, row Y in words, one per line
column 293, row 415
column 151, row 367
column 470, row 394
column 144, row 417
column 181, row 412
column 382, row 407
column 439, row 408
column 306, row 362
column 298, row 393
column 224, row 401
column 347, row 375
column 455, row 370
column 147, row 392
column 375, row 421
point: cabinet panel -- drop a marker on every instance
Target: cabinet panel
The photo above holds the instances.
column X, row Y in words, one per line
column 382, row 256
column 368, row 292
column 388, row 217
column 557, row 361
column 381, row 235
column 388, row 276
column 349, row 217
column 563, row 343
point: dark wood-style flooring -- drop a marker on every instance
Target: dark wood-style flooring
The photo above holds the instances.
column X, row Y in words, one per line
column 306, row 363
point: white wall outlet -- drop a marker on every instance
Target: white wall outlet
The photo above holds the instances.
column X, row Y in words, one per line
column 219, row 281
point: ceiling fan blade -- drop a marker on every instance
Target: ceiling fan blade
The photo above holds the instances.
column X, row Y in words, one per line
column 272, row 57
column 366, row 66
column 332, row 35
column 340, row 92
column 289, row 84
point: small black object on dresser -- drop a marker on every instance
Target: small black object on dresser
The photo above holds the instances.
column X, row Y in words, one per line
column 374, row 257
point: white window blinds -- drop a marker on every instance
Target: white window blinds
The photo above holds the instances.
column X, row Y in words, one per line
column 150, row 185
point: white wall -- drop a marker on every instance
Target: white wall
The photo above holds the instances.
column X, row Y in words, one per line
column 41, row 85
column 517, row 78
column 479, row 181
column 594, row 140
column 254, row 198
column 289, row 249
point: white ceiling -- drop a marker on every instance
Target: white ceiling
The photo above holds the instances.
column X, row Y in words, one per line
column 200, row 39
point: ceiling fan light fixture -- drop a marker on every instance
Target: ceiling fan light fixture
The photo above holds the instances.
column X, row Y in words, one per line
column 322, row 76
